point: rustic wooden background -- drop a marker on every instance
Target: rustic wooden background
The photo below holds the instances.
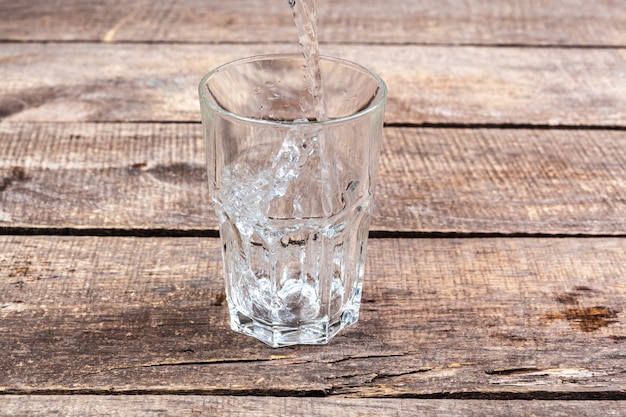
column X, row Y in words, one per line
column 497, row 262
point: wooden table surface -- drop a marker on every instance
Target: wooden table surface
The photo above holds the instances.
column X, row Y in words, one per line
column 496, row 267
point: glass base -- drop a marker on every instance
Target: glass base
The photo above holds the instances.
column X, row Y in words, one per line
column 316, row 333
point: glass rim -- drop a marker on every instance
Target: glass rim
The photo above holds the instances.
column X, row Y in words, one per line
column 373, row 106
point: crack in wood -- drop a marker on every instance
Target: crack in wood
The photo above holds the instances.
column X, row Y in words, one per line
column 390, row 375
column 368, row 356
column 370, row 381
column 218, row 361
column 526, row 376
column 512, row 371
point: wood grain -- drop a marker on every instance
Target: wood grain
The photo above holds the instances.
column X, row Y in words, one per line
column 438, row 85
column 141, row 176
column 192, row 405
column 560, row 22
column 441, row 318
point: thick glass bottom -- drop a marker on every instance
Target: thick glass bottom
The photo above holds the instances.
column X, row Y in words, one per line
column 313, row 333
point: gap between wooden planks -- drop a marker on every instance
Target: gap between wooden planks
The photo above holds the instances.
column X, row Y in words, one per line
column 150, row 177
column 177, row 406
column 427, row 84
column 449, row 318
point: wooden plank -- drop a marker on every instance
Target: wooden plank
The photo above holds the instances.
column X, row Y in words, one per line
column 140, row 176
column 461, row 85
column 453, row 318
column 560, row 22
column 504, row 181
column 192, row 405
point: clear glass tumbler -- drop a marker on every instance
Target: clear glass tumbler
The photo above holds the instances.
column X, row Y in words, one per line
column 293, row 194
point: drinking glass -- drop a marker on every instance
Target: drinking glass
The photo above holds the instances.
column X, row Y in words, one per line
column 293, row 194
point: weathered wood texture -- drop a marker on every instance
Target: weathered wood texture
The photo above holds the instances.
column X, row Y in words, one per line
column 193, row 406
column 452, row 318
column 460, row 85
column 558, row 22
column 152, row 176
